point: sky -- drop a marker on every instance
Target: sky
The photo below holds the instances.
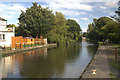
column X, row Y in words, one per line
column 81, row 12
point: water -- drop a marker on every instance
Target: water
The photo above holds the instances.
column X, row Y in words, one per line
column 60, row 62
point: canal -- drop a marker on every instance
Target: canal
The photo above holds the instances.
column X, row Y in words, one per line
column 60, row 62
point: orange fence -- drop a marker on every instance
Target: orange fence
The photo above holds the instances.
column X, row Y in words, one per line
column 18, row 42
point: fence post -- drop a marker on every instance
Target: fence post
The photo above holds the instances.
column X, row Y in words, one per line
column 115, row 55
column 15, row 46
column 20, row 45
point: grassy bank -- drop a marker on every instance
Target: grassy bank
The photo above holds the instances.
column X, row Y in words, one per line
column 115, row 65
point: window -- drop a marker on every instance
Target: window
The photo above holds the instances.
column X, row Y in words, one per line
column 3, row 36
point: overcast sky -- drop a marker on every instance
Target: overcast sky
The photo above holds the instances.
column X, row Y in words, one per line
column 82, row 12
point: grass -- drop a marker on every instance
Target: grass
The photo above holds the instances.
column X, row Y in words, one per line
column 113, row 76
column 112, row 44
column 115, row 65
column 116, row 46
column 100, row 42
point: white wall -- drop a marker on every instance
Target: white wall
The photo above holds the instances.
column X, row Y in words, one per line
column 2, row 27
column 8, row 37
column 2, row 22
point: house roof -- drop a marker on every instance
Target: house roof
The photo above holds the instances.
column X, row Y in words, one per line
column 2, row 19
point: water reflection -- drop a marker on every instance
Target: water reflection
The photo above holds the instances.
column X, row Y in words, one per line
column 61, row 62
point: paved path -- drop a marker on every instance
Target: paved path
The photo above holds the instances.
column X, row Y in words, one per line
column 100, row 64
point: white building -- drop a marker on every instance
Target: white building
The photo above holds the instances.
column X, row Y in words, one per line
column 5, row 33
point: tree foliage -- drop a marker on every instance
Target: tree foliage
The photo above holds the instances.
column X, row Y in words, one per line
column 104, row 28
column 74, row 28
column 37, row 21
column 11, row 25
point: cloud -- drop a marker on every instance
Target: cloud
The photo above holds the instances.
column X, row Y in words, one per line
column 85, row 0
column 111, row 4
column 103, row 7
column 44, row 6
column 75, row 19
column 70, row 6
column 59, row 0
column 81, row 12
column 11, row 6
column 72, row 12
column 84, row 18
column 11, row 11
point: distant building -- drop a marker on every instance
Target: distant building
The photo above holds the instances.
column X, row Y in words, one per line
column 5, row 33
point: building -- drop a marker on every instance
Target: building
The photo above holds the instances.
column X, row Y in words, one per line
column 5, row 33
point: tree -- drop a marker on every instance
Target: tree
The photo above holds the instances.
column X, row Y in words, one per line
column 74, row 28
column 117, row 18
column 59, row 30
column 104, row 28
column 90, row 27
column 85, row 34
column 36, row 21
column 11, row 25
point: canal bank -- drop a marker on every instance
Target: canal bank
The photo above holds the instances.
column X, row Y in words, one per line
column 12, row 52
column 99, row 64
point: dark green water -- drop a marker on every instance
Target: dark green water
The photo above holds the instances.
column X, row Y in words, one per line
column 60, row 62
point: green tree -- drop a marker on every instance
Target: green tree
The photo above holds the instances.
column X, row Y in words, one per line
column 74, row 28
column 90, row 27
column 36, row 21
column 15, row 27
column 104, row 28
column 59, row 30
column 11, row 25
column 85, row 34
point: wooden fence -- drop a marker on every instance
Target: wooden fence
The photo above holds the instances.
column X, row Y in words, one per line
column 20, row 42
